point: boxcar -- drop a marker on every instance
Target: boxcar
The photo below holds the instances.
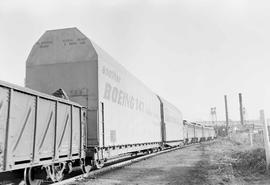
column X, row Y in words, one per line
column 123, row 114
column 198, row 132
column 185, row 131
column 38, row 131
column 205, row 132
column 172, row 124
column 190, row 132
column 212, row 133
column 208, row 131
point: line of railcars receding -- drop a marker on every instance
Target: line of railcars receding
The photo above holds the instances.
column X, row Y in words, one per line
column 194, row 132
column 122, row 116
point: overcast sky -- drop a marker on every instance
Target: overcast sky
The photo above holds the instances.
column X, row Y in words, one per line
column 190, row 52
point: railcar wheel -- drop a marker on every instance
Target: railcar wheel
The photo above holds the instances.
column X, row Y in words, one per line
column 59, row 172
column 146, row 152
column 99, row 164
column 86, row 166
column 133, row 154
column 29, row 178
column 56, row 172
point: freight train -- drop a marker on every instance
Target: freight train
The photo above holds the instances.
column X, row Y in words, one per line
column 114, row 113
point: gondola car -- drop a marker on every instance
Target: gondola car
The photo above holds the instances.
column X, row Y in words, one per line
column 39, row 134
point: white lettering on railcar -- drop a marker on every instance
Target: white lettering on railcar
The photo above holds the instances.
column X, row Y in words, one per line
column 111, row 74
column 122, row 98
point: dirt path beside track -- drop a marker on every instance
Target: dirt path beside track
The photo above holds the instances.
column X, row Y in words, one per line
column 175, row 167
column 204, row 164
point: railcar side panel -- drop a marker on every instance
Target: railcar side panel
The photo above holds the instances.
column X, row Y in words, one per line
column 4, row 104
column 129, row 112
column 173, row 122
column 21, row 129
column 198, row 132
column 83, row 130
column 45, row 131
column 185, row 131
column 63, row 130
column 75, row 140
column 191, row 131
column 205, row 132
column 209, row 132
column 213, row 133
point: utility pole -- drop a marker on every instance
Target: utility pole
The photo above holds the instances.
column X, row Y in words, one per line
column 241, row 109
column 266, row 140
column 226, row 113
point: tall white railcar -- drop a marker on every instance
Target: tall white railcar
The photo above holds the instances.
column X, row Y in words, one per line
column 172, row 124
column 123, row 114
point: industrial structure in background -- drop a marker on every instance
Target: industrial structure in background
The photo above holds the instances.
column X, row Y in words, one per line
column 213, row 113
column 224, row 127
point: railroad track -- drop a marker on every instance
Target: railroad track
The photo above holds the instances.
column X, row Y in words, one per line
column 119, row 165
column 77, row 176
